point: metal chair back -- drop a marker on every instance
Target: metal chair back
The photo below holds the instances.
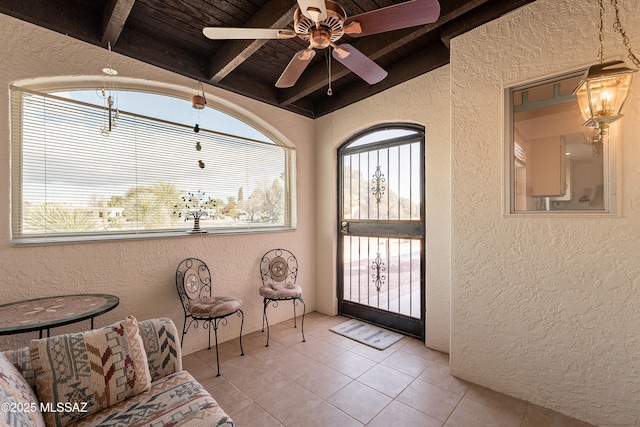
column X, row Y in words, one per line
column 278, row 268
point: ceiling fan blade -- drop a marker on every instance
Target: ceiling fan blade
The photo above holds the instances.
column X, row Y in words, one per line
column 403, row 15
column 360, row 64
column 295, row 68
column 226, row 33
column 316, row 10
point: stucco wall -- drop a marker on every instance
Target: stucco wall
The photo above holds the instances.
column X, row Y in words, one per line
column 423, row 100
column 142, row 272
column 545, row 309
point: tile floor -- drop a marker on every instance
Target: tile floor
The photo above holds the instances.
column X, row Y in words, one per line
column 330, row 380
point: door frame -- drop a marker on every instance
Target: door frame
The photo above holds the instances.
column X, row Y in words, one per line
column 405, row 324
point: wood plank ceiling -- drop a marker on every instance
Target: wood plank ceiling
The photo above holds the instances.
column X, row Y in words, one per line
column 168, row 34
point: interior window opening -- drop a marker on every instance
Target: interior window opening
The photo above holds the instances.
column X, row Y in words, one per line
column 556, row 164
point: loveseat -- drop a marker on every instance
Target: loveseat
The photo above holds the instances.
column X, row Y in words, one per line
column 126, row 374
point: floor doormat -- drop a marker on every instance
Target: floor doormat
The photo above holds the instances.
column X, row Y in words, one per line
column 367, row 334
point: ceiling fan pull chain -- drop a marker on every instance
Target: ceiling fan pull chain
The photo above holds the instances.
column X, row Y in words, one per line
column 329, row 91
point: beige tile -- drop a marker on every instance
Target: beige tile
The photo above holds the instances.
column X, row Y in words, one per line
column 237, row 363
column 254, row 415
column 289, row 402
column 315, row 325
column 417, row 348
column 265, row 353
column 537, row 416
column 430, row 399
column 254, row 380
column 337, row 340
column 496, row 400
column 325, row 415
column 322, row 380
column 285, row 332
column 324, row 321
column 406, row 363
column 385, row 380
column 373, row 353
column 252, row 341
column 359, row 401
column 489, row 411
column 226, row 394
column 290, row 363
column 197, row 367
column 398, row 414
column 320, row 351
column 351, row 364
column 227, row 353
column 438, row 374
column 285, row 383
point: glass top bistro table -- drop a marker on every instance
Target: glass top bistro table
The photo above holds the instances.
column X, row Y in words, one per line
column 44, row 313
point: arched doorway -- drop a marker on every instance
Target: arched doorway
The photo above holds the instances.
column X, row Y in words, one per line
column 381, row 265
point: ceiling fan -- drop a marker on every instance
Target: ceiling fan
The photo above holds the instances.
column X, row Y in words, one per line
column 323, row 22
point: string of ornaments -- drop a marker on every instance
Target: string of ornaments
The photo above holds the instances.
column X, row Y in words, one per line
column 198, row 102
column 196, row 129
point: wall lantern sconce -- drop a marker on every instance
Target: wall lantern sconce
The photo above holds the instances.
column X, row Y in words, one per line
column 199, row 101
column 604, row 88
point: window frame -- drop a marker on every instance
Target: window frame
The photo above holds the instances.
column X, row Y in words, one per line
column 17, row 170
column 611, row 158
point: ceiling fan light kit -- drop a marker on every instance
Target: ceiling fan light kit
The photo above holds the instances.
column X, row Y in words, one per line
column 322, row 23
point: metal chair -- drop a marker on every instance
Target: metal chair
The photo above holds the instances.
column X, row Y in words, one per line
column 278, row 270
column 193, row 281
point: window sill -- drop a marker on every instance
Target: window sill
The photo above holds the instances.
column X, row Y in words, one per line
column 74, row 239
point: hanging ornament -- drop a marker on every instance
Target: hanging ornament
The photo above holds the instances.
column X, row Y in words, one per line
column 198, row 101
column 196, row 128
column 201, row 164
column 108, row 93
column 198, row 146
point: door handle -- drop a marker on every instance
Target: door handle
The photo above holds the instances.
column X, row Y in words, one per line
column 344, row 227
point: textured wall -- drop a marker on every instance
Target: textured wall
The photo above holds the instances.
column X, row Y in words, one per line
column 423, row 100
column 141, row 272
column 546, row 309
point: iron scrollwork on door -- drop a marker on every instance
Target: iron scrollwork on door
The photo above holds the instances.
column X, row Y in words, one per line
column 378, row 188
column 378, row 268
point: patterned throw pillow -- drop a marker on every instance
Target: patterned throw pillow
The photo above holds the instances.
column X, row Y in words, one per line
column 86, row 372
column 21, row 359
column 161, row 343
column 19, row 404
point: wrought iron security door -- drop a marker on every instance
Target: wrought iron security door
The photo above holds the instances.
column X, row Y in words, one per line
column 381, row 228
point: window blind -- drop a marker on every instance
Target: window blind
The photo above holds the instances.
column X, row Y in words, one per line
column 68, row 179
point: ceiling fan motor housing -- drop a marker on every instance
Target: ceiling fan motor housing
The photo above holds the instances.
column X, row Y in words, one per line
column 328, row 30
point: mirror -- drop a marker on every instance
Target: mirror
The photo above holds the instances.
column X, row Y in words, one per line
column 556, row 164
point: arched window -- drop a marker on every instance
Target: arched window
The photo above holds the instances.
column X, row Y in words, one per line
column 153, row 167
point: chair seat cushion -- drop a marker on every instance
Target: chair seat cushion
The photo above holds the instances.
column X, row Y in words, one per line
column 288, row 291
column 215, row 306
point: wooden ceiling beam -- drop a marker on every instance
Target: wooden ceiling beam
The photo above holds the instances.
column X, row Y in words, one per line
column 248, row 86
column 141, row 46
column 114, row 17
column 434, row 56
column 274, row 14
